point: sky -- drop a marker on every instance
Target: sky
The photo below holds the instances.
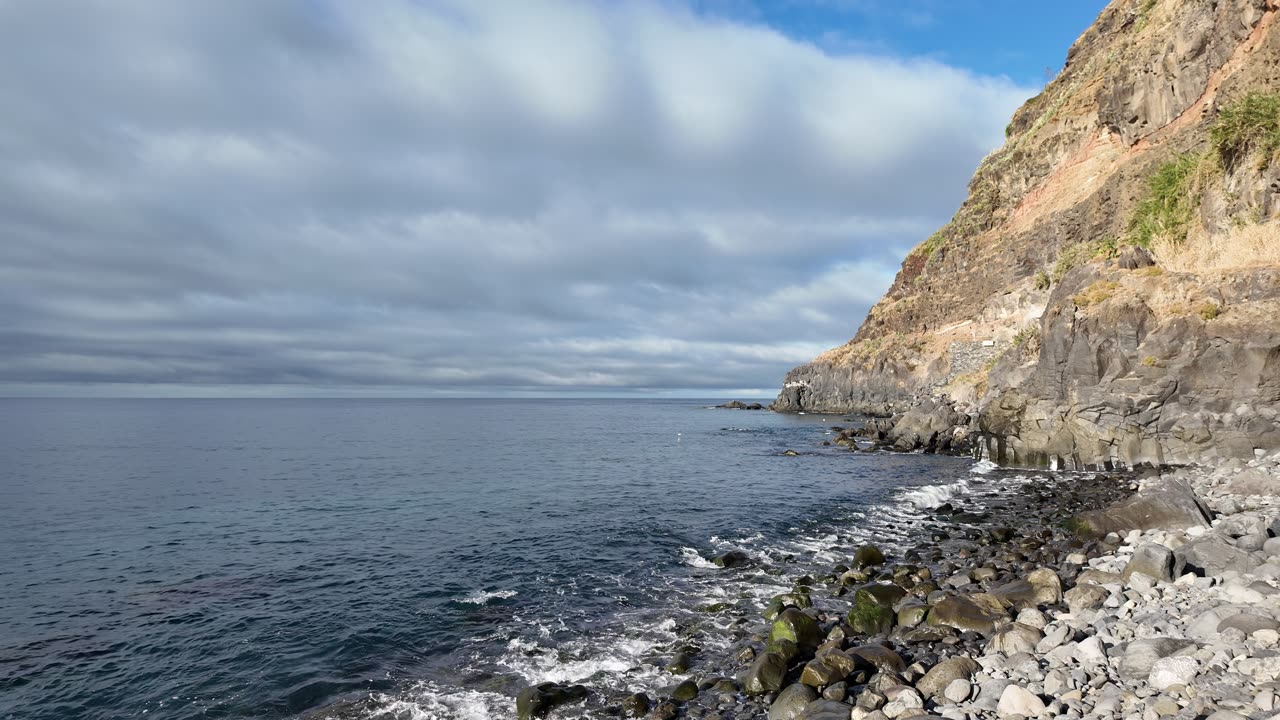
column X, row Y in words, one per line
column 421, row 198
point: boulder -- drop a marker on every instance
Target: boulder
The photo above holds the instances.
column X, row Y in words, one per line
column 818, row 674
column 685, row 691
column 636, row 705
column 1170, row 671
column 944, row 673
column 538, row 700
column 1085, row 597
column 1212, row 556
column 797, row 627
column 1153, row 560
column 1248, row 623
column 1172, row 506
column 824, row 710
column 868, row 556
column 1016, row 700
column 869, row 617
column 880, row 656
column 733, row 558
column 1014, row 638
column 958, row 690
column 1042, row 587
column 791, row 702
column 765, row 674
column 980, row 612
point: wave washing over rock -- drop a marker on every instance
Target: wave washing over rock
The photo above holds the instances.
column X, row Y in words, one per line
column 693, row 658
column 1106, row 296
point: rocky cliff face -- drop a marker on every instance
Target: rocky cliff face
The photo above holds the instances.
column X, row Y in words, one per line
column 1108, row 293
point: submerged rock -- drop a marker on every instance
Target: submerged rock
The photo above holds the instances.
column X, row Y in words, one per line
column 538, row 700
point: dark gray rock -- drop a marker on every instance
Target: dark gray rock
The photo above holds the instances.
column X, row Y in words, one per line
column 538, row 700
column 1155, row 561
column 1212, row 556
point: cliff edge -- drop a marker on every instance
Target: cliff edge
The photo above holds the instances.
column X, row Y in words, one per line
column 1109, row 293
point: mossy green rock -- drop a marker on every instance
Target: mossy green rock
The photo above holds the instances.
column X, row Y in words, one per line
column 868, row 556
column 870, row 618
column 787, row 649
column 778, row 603
column 797, row 627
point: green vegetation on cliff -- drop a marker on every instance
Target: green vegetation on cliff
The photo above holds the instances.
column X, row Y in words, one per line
column 1249, row 126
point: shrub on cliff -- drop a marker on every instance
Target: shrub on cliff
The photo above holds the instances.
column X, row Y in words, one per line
column 1251, row 125
column 1170, row 205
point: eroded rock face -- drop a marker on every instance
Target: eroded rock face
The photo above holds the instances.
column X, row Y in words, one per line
column 1147, row 377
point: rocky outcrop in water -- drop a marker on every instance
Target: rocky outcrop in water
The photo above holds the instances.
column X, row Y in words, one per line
column 1106, row 297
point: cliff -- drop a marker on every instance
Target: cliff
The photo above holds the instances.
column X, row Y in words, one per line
column 1109, row 293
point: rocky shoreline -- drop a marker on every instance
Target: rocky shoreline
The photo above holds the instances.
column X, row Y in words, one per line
column 1103, row 596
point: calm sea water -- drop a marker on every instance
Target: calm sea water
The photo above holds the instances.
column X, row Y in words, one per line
column 396, row 559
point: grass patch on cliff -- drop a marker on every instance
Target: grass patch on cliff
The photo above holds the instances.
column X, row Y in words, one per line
column 1173, row 198
column 1248, row 126
column 1076, row 255
column 1240, row 247
column 1096, row 294
column 931, row 245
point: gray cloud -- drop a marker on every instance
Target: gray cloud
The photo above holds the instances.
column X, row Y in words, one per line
column 399, row 197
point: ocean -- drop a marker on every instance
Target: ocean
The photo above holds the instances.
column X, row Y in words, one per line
column 405, row 559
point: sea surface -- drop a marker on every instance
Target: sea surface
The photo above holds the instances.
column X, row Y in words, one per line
column 402, row 559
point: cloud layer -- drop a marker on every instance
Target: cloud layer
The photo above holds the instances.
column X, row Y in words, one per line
column 400, row 197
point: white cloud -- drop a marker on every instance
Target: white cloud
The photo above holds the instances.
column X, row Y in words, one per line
column 499, row 196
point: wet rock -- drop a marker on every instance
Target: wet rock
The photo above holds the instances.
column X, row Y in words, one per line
column 824, row 710
column 819, row 675
column 880, row 656
column 791, row 702
column 538, row 700
column 765, row 674
column 912, row 614
column 636, row 705
column 685, row 691
column 733, row 558
column 868, row 556
column 797, row 627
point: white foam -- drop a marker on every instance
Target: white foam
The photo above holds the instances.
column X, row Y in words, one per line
column 483, row 597
column 693, row 558
column 983, row 467
column 427, row 701
column 931, row 496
